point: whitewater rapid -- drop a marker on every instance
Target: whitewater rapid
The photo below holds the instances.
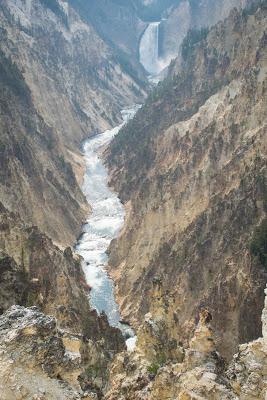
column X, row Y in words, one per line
column 103, row 225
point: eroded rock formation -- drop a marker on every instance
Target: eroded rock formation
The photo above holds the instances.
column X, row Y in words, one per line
column 190, row 264
column 200, row 374
column 60, row 83
column 38, row 361
column 191, row 170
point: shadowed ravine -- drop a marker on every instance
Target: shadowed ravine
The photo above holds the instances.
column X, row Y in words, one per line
column 103, row 225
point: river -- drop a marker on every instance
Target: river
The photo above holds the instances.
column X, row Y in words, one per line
column 103, row 224
column 107, row 216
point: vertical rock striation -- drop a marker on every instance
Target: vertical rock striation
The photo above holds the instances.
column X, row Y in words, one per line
column 68, row 86
column 191, row 169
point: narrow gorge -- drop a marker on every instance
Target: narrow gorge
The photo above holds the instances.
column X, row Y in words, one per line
column 133, row 200
column 107, row 213
column 103, row 225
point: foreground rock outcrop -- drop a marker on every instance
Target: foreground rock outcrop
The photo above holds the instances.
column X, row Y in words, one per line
column 43, row 362
column 35, row 362
column 200, row 373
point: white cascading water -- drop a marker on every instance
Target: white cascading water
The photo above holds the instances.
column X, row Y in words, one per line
column 149, row 49
column 107, row 216
column 103, row 225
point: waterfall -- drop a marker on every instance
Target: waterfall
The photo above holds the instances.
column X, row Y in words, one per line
column 149, row 49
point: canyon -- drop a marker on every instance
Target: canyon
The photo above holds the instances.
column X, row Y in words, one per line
column 133, row 199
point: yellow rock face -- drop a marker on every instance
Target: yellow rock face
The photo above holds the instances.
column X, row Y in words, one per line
column 72, row 344
column 196, row 194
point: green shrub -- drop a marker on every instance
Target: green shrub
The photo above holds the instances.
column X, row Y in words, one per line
column 97, row 371
column 153, row 368
column 93, row 371
column 157, row 364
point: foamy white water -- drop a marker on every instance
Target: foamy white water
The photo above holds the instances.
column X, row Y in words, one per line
column 149, row 55
column 103, row 225
column 149, row 49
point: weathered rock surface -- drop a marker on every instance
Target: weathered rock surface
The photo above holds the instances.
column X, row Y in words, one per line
column 35, row 272
column 200, row 375
column 188, row 15
column 247, row 372
column 40, row 361
column 35, row 364
column 59, row 84
column 191, row 169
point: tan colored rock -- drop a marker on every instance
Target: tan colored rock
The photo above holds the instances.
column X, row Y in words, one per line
column 197, row 192
column 264, row 321
column 247, row 372
column 34, row 362
column 60, row 64
column 200, row 376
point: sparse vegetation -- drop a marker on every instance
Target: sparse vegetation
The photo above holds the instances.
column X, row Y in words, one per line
column 153, row 368
column 193, row 37
column 54, row 6
column 258, row 245
column 93, row 371
column 11, row 77
column 252, row 8
column 31, row 299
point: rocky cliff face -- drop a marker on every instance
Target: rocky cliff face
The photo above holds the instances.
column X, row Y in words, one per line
column 191, row 170
column 40, row 361
column 36, row 180
column 59, row 83
column 190, row 14
column 199, row 374
column 120, row 25
column 70, row 87
column 34, row 272
column 41, row 274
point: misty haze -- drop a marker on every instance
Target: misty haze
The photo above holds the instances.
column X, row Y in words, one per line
column 133, row 199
